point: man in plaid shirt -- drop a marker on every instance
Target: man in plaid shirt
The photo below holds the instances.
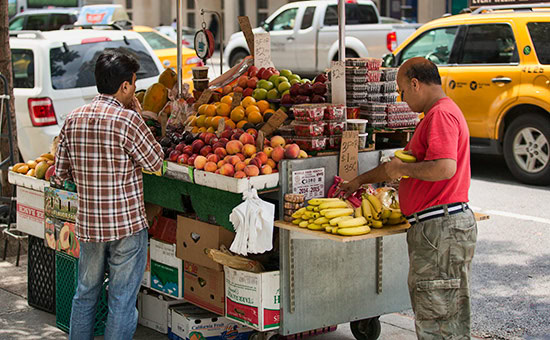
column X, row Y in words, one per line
column 103, row 147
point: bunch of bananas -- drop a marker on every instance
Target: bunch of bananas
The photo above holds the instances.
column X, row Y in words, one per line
column 378, row 214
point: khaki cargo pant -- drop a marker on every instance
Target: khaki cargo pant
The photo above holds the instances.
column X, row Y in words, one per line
column 440, row 255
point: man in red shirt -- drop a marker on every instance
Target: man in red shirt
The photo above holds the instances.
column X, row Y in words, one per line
column 443, row 231
column 103, row 147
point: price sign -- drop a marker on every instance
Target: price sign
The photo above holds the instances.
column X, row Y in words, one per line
column 349, row 153
column 237, row 96
column 310, row 183
column 204, row 98
column 274, row 122
column 262, row 50
column 338, row 82
column 246, row 28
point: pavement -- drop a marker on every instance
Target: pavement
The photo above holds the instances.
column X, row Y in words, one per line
column 20, row 321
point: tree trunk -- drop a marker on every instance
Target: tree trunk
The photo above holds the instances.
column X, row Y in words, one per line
column 6, row 70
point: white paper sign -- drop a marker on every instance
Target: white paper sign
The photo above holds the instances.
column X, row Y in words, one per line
column 310, row 183
column 338, row 82
column 262, row 50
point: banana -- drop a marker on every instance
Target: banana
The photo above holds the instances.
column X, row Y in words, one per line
column 311, row 220
column 49, row 156
column 335, row 230
column 366, row 207
column 354, row 222
column 334, row 221
column 321, row 220
column 355, row 231
column 310, row 207
column 385, row 213
column 316, row 209
column 325, row 225
column 303, row 224
column 313, row 226
column 333, row 205
column 395, row 214
column 376, row 205
column 377, row 224
column 332, row 213
column 328, row 229
column 297, row 221
column 405, row 156
column 358, row 212
column 298, row 213
column 393, row 221
column 311, row 214
column 318, row 201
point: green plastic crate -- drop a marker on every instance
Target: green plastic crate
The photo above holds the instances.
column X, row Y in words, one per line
column 66, row 275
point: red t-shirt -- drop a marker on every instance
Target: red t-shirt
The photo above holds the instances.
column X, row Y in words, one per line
column 443, row 133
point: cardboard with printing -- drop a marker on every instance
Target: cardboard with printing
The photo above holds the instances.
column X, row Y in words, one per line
column 204, row 287
column 154, row 310
column 194, row 237
column 146, row 281
column 190, row 322
column 60, row 204
column 30, row 211
column 166, row 269
column 252, row 299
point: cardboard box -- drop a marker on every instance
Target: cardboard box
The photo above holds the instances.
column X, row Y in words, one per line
column 30, row 211
column 253, row 299
column 60, row 235
column 154, row 310
column 60, row 204
column 166, row 269
column 204, row 287
column 191, row 322
column 146, row 281
column 164, row 229
column 194, row 237
column 152, row 212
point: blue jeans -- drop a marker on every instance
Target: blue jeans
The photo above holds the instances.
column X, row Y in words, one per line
column 126, row 260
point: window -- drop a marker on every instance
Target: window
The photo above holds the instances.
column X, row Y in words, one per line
column 261, row 4
column 355, row 15
column 435, row 45
column 190, row 4
column 22, row 62
column 284, row 21
column 37, row 22
column 489, row 44
column 128, row 4
column 74, row 68
column 58, row 20
column 191, row 19
column 307, row 20
column 157, row 41
column 261, row 18
column 17, row 24
column 539, row 32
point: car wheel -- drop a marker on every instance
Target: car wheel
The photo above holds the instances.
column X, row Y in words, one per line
column 527, row 149
column 237, row 57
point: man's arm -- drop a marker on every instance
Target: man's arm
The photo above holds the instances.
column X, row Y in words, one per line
column 142, row 146
column 62, row 162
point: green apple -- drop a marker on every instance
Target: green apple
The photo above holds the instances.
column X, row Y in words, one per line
column 260, row 83
column 280, row 79
column 273, row 94
column 294, row 76
column 267, row 85
column 305, row 80
column 259, row 93
column 285, row 92
column 286, row 73
column 273, row 79
column 283, row 86
column 294, row 81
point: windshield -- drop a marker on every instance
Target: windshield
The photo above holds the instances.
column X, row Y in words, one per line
column 157, row 41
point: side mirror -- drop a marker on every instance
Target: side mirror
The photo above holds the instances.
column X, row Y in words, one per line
column 265, row 26
column 388, row 60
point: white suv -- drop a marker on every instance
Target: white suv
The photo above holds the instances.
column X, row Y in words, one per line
column 54, row 74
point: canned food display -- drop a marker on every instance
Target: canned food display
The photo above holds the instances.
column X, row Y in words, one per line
column 356, row 87
column 306, row 129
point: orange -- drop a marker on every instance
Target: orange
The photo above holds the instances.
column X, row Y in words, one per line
column 237, row 114
column 200, row 121
column 216, row 121
column 223, row 109
column 192, row 120
column 210, row 129
column 208, row 122
column 255, row 117
column 247, row 101
column 241, row 124
column 195, row 129
column 250, row 109
column 263, row 105
column 210, row 110
column 227, row 99
column 202, row 109
column 230, row 123
column 202, row 129
column 268, row 111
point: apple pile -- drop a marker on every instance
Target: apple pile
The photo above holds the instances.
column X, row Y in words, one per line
column 233, row 153
column 302, row 93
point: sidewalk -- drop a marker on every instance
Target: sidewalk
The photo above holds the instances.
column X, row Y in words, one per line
column 19, row 321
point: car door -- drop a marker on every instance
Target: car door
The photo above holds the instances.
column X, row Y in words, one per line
column 282, row 30
column 486, row 76
column 305, row 41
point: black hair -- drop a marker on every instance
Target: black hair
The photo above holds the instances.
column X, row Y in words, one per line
column 426, row 72
column 112, row 69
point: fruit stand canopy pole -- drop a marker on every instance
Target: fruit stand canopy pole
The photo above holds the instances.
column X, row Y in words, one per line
column 178, row 37
column 341, row 30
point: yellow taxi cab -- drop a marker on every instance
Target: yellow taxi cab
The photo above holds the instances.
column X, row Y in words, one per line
column 166, row 50
column 494, row 63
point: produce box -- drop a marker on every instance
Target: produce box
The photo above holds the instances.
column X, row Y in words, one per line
column 154, row 310
column 235, row 185
column 28, row 182
column 193, row 323
column 164, row 229
column 60, row 204
column 253, row 299
column 166, row 269
column 204, row 287
column 30, row 211
column 60, row 235
column 180, row 172
column 193, row 237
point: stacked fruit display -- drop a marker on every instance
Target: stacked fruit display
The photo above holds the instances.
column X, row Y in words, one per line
column 337, row 216
column 306, row 92
column 41, row 168
column 234, row 153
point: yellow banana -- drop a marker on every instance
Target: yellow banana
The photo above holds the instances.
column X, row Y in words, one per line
column 366, row 207
column 310, row 207
column 377, row 224
column 376, row 205
column 333, row 205
column 334, row 221
column 395, row 214
column 318, row 201
column 335, row 230
column 355, row 231
column 385, row 213
column 328, row 229
column 298, row 213
column 354, row 222
column 313, row 226
column 358, row 212
column 321, row 220
column 303, row 224
column 332, row 213
column 393, row 221
column 311, row 214
column 316, row 208
column 405, row 156
column 297, row 221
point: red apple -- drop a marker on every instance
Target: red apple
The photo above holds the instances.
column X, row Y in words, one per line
column 252, row 71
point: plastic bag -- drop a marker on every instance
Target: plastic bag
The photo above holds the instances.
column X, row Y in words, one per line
column 224, row 257
column 388, row 197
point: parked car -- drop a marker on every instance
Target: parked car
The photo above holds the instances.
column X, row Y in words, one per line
column 188, row 34
column 494, row 63
column 43, row 19
column 104, row 15
column 304, row 35
column 54, row 73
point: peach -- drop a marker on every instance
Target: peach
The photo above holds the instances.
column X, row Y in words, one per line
column 249, row 150
column 257, row 162
column 220, row 152
column 210, row 167
column 277, row 141
column 246, row 138
column 234, row 147
column 271, row 163
column 227, row 170
column 240, row 174
column 238, row 89
column 220, row 163
column 247, row 161
column 253, row 132
column 292, row 151
column 240, row 166
column 252, row 82
column 241, row 156
column 266, row 170
column 268, row 150
column 200, row 162
column 226, row 158
column 278, row 154
column 242, row 81
column 233, row 160
column 303, row 154
column 213, row 158
column 262, row 157
column 217, row 172
column 251, row 170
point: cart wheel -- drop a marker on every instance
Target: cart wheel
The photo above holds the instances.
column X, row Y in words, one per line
column 367, row 329
column 257, row 336
column 264, row 336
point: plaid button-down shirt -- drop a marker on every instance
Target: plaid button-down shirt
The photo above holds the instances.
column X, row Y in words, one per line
column 103, row 148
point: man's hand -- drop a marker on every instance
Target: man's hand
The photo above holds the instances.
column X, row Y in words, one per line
column 394, row 168
column 348, row 188
column 135, row 105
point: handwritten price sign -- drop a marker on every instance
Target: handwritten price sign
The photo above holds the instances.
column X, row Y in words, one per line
column 262, row 50
column 338, row 82
column 349, row 153
column 310, row 183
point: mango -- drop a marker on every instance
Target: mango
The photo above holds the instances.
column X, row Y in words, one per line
column 40, row 170
column 155, row 98
column 168, row 78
